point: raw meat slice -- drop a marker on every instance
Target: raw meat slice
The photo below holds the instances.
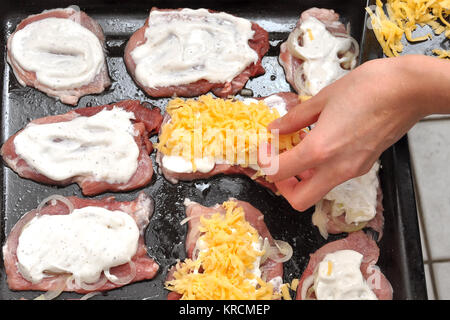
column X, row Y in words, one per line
column 70, row 95
column 259, row 43
column 147, row 121
column 140, row 209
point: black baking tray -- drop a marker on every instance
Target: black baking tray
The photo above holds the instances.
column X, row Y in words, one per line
column 401, row 255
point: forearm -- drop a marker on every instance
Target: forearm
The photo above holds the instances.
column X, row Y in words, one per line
column 424, row 83
column 357, row 117
column 438, row 85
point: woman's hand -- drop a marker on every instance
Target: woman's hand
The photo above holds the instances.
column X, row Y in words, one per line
column 356, row 118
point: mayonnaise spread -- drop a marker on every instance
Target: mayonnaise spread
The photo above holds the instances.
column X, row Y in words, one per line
column 62, row 53
column 339, row 277
column 101, row 146
column 357, row 197
column 323, row 54
column 180, row 165
column 257, row 246
column 185, row 46
column 83, row 243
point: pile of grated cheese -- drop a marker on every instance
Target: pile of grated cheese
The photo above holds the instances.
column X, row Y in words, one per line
column 403, row 17
column 224, row 270
column 221, row 129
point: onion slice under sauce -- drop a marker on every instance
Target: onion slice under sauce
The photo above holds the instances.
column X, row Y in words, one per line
column 355, row 44
column 347, row 61
column 55, row 197
column 281, row 252
column 91, row 287
column 320, row 218
column 90, row 295
column 306, row 286
column 124, row 279
column 52, row 294
column 296, row 49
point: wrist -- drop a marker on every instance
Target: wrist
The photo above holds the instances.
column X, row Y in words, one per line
column 395, row 86
column 423, row 83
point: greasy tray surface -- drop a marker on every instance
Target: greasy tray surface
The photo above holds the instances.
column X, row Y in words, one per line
column 401, row 256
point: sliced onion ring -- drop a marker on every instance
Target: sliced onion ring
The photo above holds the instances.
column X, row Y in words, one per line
column 320, row 218
column 295, row 49
column 346, row 227
column 91, row 287
column 354, row 43
column 309, row 293
column 306, row 285
column 90, row 295
column 265, row 248
column 285, row 249
column 188, row 219
column 348, row 61
column 196, row 251
column 300, row 82
column 58, row 198
column 120, row 281
column 292, row 43
column 273, row 252
column 52, row 294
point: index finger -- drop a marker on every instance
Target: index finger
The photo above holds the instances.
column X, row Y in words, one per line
column 299, row 117
column 291, row 162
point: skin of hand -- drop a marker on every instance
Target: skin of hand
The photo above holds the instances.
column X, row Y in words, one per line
column 356, row 118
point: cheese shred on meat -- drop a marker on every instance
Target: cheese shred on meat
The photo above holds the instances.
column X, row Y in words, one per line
column 403, row 17
column 220, row 129
column 223, row 271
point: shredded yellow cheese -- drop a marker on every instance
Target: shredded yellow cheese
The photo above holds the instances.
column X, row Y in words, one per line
column 220, row 129
column 224, row 270
column 285, row 287
column 442, row 53
column 285, row 292
column 311, row 37
column 403, row 17
column 294, row 284
column 303, row 98
column 330, row 268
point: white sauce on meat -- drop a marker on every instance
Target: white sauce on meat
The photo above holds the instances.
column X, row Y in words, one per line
column 357, row 197
column 339, row 277
column 276, row 102
column 180, row 165
column 84, row 243
column 101, row 146
column 182, row 47
column 321, row 53
column 276, row 282
column 62, row 53
column 257, row 246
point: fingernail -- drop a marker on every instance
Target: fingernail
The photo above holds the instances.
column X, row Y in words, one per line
column 264, row 154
